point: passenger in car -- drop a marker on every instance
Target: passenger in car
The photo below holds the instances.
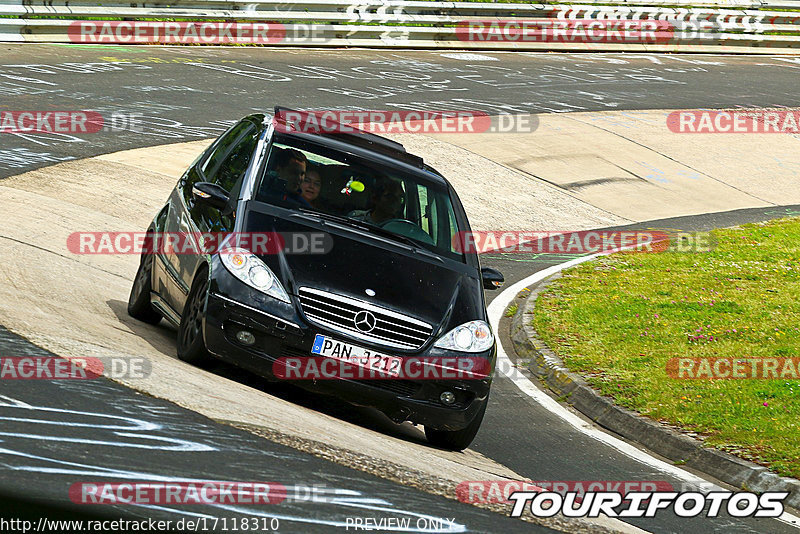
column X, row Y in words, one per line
column 311, row 186
column 387, row 200
column 282, row 184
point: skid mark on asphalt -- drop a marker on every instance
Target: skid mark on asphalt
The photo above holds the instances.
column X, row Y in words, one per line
column 101, row 422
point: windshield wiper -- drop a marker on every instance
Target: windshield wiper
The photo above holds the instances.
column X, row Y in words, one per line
column 337, row 218
column 374, row 230
column 361, row 224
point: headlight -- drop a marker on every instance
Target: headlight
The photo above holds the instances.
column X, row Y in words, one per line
column 474, row 336
column 252, row 271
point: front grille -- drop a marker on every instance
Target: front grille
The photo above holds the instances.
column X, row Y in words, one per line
column 339, row 313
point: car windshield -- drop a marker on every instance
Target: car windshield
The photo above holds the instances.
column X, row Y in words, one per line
column 333, row 185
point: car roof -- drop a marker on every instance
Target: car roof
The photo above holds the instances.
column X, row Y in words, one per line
column 365, row 145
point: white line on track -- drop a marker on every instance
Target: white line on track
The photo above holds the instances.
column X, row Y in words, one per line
column 506, row 367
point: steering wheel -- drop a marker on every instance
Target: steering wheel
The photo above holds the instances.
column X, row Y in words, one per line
column 407, row 228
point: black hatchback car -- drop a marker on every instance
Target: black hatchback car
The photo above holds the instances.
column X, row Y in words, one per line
column 364, row 267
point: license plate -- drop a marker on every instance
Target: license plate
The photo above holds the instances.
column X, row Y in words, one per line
column 345, row 352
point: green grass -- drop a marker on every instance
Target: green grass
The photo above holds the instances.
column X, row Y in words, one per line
column 618, row 320
column 511, row 310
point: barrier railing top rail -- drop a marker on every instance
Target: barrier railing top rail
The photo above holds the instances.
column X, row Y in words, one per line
column 756, row 26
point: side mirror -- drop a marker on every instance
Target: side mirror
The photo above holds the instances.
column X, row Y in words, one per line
column 210, row 194
column 492, row 278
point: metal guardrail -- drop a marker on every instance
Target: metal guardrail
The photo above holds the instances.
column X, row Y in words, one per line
column 747, row 26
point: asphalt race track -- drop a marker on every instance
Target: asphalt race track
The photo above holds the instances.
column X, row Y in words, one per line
column 60, row 432
column 55, row 433
column 186, row 93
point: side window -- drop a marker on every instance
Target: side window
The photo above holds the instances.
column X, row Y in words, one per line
column 427, row 211
column 453, row 227
column 230, row 159
column 434, row 217
column 405, row 209
column 212, row 161
column 161, row 219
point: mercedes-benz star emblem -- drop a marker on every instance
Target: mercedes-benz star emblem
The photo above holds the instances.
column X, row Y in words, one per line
column 364, row 321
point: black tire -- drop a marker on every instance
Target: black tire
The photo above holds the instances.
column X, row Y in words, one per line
column 456, row 440
column 191, row 346
column 139, row 306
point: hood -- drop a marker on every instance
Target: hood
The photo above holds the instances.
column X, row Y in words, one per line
column 410, row 283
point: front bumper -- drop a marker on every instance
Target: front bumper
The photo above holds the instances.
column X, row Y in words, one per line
column 277, row 336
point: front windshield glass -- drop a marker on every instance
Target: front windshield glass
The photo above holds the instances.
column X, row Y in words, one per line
column 399, row 206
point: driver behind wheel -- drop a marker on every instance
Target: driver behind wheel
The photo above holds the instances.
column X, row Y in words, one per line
column 388, row 199
column 282, row 184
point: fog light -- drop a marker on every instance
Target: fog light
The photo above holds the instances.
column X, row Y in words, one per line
column 448, row 397
column 245, row 338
